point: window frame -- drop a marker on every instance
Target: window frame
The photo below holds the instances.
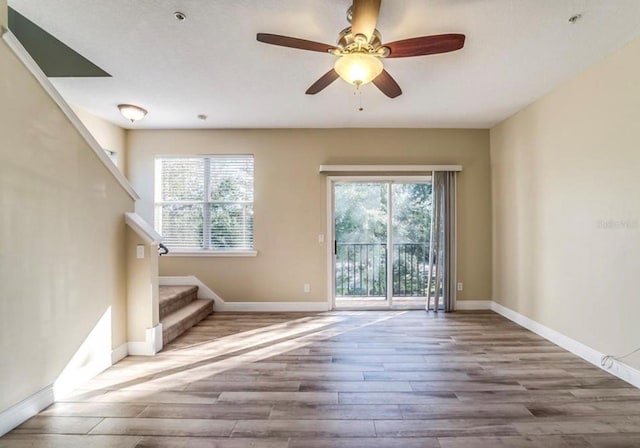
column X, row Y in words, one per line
column 205, row 251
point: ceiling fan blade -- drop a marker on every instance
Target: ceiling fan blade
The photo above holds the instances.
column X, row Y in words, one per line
column 364, row 16
column 293, row 42
column 422, row 46
column 323, row 82
column 387, row 85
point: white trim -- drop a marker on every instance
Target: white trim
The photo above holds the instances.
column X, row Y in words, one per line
column 27, row 408
column 390, row 178
column 14, row 44
column 275, row 307
column 387, row 168
column 139, row 349
column 214, row 253
column 154, row 338
column 151, row 345
column 119, row 353
column 142, row 228
column 619, row 369
column 467, row 305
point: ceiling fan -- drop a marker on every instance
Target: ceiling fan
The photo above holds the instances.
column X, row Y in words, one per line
column 360, row 50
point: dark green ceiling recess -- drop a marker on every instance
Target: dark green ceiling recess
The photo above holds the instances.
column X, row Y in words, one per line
column 56, row 59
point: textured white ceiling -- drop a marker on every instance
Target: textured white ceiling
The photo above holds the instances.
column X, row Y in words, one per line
column 516, row 51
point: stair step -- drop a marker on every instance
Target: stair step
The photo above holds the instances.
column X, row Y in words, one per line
column 172, row 298
column 181, row 320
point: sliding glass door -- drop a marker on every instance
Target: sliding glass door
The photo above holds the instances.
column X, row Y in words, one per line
column 381, row 234
column 361, row 218
column 411, row 231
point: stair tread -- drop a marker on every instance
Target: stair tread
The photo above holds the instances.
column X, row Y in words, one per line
column 170, row 292
column 184, row 313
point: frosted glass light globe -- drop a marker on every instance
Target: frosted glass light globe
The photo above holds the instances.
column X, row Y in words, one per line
column 358, row 68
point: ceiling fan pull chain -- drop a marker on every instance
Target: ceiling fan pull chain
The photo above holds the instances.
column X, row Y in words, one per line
column 358, row 92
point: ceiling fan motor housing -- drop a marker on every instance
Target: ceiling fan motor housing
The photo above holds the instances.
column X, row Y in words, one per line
column 348, row 42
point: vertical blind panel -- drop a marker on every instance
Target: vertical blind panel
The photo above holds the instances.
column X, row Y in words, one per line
column 182, row 179
column 231, row 178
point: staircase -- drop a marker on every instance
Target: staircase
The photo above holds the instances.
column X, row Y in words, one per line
column 180, row 309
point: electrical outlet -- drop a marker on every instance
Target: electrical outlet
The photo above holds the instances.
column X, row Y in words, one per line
column 307, row 287
column 460, row 286
column 321, row 238
column 140, row 251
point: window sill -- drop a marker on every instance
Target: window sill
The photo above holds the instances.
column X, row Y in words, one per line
column 213, row 253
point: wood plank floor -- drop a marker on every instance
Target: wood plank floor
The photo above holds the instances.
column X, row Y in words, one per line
column 347, row 379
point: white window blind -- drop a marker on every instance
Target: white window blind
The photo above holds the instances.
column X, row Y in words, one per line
column 205, row 202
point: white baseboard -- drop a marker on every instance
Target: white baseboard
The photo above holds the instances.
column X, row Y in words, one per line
column 30, row 406
column 619, row 369
column 272, row 307
column 151, row 345
column 467, row 305
column 219, row 305
column 119, row 353
column 139, row 349
column 27, row 408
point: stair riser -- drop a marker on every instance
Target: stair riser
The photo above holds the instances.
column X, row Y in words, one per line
column 175, row 303
column 170, row 334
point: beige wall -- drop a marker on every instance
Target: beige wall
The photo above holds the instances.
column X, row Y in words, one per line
column 290, row 203
column 142, row 287
column 4, row 19
column 566, row 214
column 62, row 236
column 107, row 134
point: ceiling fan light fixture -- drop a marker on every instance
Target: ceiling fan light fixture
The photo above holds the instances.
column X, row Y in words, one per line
column 131, row 112
column 358, row 68
column 360, row 50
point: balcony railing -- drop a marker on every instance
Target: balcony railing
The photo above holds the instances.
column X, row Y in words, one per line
column 361, row 269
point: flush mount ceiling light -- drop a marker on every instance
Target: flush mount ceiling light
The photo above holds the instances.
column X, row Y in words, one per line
column 131, row 112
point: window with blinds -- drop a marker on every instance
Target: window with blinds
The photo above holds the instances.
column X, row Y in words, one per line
column 205, row 202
